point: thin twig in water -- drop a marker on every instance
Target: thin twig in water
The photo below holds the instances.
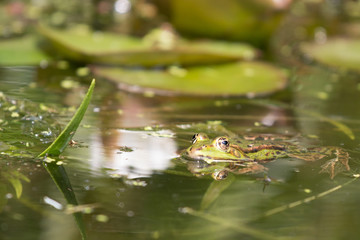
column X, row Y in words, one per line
column 308, row 199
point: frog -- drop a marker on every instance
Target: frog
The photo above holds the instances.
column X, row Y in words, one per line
column 225, row 154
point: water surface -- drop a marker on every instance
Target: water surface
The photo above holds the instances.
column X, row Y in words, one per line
column 123, row 164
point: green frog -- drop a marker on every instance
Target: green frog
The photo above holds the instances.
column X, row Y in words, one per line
column 223, row 154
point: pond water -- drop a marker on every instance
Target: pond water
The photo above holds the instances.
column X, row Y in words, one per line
column 124, row 163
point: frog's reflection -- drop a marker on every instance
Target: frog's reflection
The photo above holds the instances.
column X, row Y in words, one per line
column 221, row 170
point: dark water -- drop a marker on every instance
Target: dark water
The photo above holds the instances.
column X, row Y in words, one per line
column 144, row 194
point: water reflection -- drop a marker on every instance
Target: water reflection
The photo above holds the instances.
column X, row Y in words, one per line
column 122, row 6
column 132, row 154
column 147, row 153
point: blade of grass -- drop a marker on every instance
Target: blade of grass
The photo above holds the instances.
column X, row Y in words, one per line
column 61, row 142
column 14, row 178
column 238, row 227
column 61, row 179
column 57, row 172
column 340, row 126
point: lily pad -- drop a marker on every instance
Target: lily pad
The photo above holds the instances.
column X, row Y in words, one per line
column 337, row 52
column 81, row 44
column 232, row 79
column 20, row 51
column 224, row 19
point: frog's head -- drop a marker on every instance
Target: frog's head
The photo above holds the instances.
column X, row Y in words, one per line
column 216, row 150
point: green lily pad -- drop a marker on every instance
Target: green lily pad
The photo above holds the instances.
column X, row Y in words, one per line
column 223, row 19
column 337, row 52
column 232, row 79
column 82, row 45
column 20, row 51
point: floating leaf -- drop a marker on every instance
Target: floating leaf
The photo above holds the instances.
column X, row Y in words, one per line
column 337, row 52
column 100, row 47
column 233, row 79
column 20, row 51
column 62, row 141
column 219, row 19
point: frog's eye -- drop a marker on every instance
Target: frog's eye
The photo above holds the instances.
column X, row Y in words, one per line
column 220, row 175
column 199, row 137
column 223, row 143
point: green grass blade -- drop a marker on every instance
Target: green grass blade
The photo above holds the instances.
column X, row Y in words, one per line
column 231, row 224
column 214, row 191
column 57, row 172
column 17, row 185
column 61, row 179
column 14, row 178
column 61, row 142
column 340, row 126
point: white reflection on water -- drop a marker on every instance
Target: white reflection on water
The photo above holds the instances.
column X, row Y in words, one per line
column 151, row 152
column 122, row 6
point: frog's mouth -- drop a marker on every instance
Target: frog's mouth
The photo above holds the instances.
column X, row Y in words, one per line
column 212, row 159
